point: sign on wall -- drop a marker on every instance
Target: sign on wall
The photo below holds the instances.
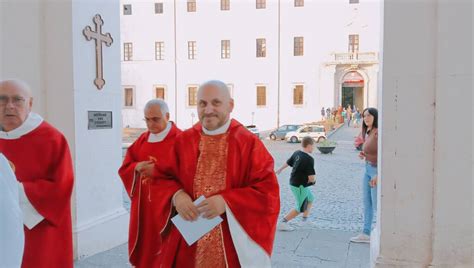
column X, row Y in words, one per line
column 100, row 119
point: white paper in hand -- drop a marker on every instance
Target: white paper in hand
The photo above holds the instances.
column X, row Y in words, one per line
column 193, row 230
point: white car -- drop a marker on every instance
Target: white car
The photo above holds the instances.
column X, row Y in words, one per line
column 314, row 131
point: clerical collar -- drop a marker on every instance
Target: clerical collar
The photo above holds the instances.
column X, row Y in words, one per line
column 218, row 131
column 160, row 136
column 31, row 123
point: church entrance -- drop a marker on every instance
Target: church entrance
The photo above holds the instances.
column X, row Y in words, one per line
column 352, row 91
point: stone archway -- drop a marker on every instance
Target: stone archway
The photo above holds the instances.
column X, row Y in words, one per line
column 352, row 90
column 352, row 77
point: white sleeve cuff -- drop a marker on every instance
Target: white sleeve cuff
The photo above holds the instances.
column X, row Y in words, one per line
column 31, row 216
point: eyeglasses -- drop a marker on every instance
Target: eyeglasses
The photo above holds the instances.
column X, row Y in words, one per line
column 153, row 119
column 16, row 100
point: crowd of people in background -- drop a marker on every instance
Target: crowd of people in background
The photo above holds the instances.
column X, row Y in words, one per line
column 350, row 115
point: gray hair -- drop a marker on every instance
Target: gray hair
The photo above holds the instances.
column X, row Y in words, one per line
column 218, row 84
column 18, row 84
column 160, row 102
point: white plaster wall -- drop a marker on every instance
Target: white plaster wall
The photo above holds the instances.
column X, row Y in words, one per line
column 453, row 225
column 20, row 50
column 426, row 156
column 102, row 222
column 407, row 134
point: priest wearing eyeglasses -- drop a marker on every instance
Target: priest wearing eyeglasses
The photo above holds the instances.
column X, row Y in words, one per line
column 39, row 155
column 151, row 150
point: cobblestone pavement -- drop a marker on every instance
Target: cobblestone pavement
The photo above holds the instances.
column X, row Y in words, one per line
column 338, row 197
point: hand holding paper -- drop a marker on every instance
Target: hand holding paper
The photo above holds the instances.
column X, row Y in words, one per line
column 185, row 206
column 194, row 230
column 212, row 207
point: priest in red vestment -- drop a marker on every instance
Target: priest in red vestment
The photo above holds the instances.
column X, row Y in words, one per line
column 42, row 162
column 221, row 160
column 153, row 148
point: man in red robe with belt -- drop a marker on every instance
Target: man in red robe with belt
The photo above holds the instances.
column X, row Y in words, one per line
column 220, row 159
column 42, row 162
column 153, row 148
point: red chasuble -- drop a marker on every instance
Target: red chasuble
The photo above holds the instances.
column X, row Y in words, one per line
column 144, row 235
column 43, row 164
column 249, row 187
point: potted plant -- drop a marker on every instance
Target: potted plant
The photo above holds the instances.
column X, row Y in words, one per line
column 326, row 146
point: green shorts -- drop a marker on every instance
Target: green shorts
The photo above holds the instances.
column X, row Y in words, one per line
column 303, row 196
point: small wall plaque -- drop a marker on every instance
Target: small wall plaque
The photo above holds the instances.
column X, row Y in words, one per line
column 100, row 119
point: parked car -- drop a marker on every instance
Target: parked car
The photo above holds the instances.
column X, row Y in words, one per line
column 253, row 129
column 314, row 131
column 280, row 132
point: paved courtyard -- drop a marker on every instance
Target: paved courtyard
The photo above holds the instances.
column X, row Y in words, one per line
column 338, row 204
column 336, row 214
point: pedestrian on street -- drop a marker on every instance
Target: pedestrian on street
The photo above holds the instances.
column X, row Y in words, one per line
column 357, row 117
column 349, row 115
column 302, row 176
column 369, row 182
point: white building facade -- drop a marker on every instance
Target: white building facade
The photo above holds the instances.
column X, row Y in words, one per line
column 284, row 60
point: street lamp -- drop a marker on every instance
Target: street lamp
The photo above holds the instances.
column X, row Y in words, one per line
column 253, row 113
column 192, row 118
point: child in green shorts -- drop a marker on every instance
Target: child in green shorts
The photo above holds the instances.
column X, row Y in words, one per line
column 302, row 176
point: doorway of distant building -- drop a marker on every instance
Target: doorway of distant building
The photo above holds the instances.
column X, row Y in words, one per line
column 352, row 91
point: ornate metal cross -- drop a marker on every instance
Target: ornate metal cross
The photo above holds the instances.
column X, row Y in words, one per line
column 99, row 39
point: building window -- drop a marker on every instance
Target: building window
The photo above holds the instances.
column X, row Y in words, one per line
column 192, row 96
column 298, row 46
column 128, row 94
column 298, row 95
column 225, row 49
column 191, row 5
column 353, row 43
column 191, row 50
column 299, row 3
column 159, row 50
column 261, row 48
column 158, row 8
column 353, row 1
column 225, row 4
column 160, row 93
column 127, row 9
column 261, row 96
column 127, row 51
column 261, row 4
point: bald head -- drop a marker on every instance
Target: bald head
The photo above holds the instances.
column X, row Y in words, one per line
column 214, row 104
column 15, row 103
column 219, row 85
column 21, row 87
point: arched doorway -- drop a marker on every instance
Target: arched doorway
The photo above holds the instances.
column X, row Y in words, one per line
column 352, row 90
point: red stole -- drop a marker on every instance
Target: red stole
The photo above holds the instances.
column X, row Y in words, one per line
column 210, row 180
